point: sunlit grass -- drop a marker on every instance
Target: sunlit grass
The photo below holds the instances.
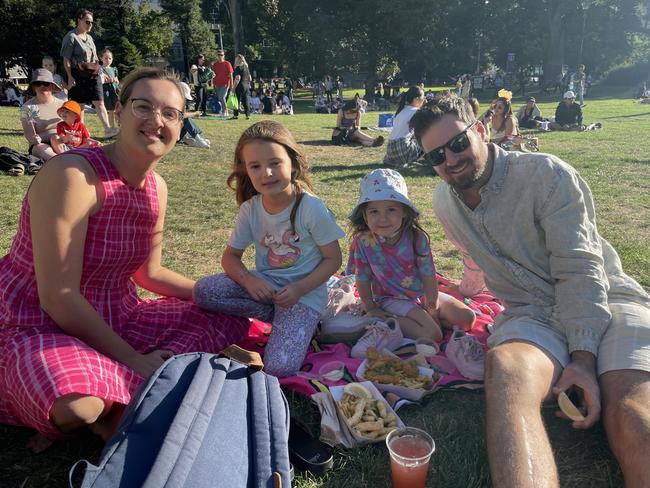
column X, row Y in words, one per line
column 614, row 161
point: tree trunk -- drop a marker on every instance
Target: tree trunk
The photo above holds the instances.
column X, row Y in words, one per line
column 237, row 27
column 371, row 79
column 555, row 53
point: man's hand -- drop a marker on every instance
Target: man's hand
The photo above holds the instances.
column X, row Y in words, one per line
column 288, row 295
column 581, row 373
column 258, row 288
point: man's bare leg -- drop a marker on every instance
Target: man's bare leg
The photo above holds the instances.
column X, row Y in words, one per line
column 626, row 415
column 519, row 376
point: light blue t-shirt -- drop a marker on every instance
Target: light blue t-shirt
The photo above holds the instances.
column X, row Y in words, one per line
column 283, row 256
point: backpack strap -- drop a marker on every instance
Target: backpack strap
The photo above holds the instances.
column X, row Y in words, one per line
column 249, row 358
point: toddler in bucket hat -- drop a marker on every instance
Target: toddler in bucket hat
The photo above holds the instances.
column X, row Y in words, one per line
column 382, row 184
column 390, row 257
column 71, row 132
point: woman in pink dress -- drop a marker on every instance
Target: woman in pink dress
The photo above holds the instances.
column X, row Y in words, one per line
column 75, row 339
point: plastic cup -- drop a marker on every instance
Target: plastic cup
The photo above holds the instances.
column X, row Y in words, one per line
column 410, row 451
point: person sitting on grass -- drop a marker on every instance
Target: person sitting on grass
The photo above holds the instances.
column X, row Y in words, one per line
column 71, row 132
column 390, row 257
column 348, row 127
column 76, row 340
column 402, row 147
column 39, row 115
column 525, row 225
column 568, row 115
column 529, row 116
column 504, row 124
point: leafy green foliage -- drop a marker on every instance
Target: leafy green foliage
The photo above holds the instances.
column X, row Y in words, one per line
column 128, row 57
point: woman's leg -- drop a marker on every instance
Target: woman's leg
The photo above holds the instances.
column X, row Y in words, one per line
column 103, row 115
column 43, row 151
column 56, row 143
column 363, row 138
column 245, row 103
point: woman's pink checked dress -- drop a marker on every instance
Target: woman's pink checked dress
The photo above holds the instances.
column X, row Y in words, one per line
column 39, row 363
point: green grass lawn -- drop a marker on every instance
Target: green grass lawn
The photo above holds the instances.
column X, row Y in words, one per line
column 615, row 162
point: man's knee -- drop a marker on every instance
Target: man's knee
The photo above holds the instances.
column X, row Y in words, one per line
column 520, row 368
column 74, row 411
column 626, row 403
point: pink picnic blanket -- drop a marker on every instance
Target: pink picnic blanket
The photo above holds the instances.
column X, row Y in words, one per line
column 308, row 381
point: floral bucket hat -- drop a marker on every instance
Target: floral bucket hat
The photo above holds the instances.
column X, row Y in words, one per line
column 383, row 184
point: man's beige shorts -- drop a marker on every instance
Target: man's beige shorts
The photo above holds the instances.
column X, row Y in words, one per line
column 625, row 344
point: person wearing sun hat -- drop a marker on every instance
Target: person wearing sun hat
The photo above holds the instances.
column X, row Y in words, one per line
column 71, row 131
column 391, row 259
column 38, row 115
column 568, row 114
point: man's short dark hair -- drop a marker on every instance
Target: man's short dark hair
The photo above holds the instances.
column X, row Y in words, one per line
column 435, row 109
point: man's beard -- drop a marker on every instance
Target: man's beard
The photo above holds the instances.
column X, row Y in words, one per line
column 465, row 182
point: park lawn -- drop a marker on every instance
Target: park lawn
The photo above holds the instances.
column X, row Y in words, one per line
column 615, row 162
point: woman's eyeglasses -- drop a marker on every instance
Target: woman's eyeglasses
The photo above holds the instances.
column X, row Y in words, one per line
column 143, row 109
column 456, row 144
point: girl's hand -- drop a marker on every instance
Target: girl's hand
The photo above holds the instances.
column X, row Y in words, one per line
column 258, row 288
column 287, row 296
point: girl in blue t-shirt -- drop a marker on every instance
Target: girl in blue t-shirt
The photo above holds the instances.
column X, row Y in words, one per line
column 296, row 246
column 391, row 258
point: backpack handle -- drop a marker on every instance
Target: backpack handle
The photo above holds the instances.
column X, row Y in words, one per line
column 249, row 358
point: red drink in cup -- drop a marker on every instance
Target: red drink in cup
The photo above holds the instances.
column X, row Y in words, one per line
column 410, row 450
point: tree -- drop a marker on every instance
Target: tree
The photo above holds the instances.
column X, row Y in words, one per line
column 190, row 26
column 128, row 57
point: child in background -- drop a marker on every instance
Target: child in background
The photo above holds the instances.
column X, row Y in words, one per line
column 49, row 64
column 71, row 132
column 391, row 258
column 296, row 246
column 110, row 84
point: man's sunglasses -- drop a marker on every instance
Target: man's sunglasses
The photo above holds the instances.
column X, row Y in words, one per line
column 456, row 144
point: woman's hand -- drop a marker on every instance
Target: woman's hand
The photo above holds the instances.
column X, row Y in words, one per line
column 145, row 364
column 71, row 82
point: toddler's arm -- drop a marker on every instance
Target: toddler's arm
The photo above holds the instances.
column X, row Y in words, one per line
column 365, row 294
column 431, row 296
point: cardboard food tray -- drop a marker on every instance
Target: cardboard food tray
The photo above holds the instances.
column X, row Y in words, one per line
column 414, row 394
column 337, row 394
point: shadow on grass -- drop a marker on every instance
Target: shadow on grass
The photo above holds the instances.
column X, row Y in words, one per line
column 317, row 142
column 635, row 161
column 19, row 467
column 10, row 132
column 644, row 114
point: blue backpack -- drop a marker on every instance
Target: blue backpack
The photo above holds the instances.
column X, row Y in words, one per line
column 202, row 420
